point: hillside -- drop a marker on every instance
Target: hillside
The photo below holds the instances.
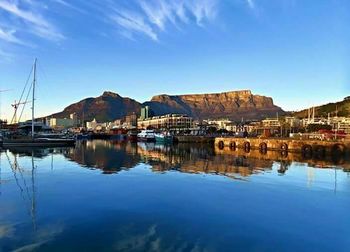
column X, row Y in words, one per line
column 107, row 107
column 343, row 108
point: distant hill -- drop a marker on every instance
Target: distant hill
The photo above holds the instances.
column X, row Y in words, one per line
column 109, row 106
column 343, row 108
column 233, row 105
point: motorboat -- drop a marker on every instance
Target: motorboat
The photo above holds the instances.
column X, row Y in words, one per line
column 146, row 136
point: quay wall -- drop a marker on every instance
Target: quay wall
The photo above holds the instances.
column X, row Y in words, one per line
column 306, row 147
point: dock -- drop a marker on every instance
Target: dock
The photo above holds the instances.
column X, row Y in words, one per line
column 307, row 147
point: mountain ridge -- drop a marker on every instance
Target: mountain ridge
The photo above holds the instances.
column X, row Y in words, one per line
column 232, row 104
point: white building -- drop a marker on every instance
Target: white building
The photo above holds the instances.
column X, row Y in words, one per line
column 170, row 121
column 95, row 126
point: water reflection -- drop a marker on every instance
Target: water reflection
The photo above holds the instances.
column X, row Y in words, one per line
column 65, row 199
column 112, row 157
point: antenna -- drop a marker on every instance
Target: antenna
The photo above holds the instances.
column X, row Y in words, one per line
column 33, row 101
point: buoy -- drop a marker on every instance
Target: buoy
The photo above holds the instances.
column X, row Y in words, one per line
column 284, row 147
column 246, row 146
column 306, row 151
column 233, row 146
column 284, row 153
column 221, row 145
column 320, row 151
column 263, row 148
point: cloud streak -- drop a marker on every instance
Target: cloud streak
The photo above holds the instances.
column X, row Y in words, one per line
column 133, row 22
column 251, row 4
column 21, row 22
column 153, row 16
column 9, row 36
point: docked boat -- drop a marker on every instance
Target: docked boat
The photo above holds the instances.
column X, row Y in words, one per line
column 146, row 136
column 163, row 137
column 26, row 135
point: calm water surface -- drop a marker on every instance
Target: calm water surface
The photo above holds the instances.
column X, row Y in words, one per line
column 105, row 196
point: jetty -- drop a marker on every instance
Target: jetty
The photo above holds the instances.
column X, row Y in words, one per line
column 307, row 147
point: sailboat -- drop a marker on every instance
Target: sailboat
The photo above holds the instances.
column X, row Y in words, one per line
column 33, row 140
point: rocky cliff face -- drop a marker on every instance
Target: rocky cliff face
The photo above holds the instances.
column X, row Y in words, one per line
column 109, row 106
column 233, row 105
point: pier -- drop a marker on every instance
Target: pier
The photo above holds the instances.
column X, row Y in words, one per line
column 307, row 147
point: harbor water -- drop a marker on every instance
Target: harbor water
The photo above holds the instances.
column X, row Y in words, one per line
column 111, row 196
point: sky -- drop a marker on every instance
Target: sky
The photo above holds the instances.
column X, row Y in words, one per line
column 295, row 51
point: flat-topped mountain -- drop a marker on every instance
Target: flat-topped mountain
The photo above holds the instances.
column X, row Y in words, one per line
column 233, row 105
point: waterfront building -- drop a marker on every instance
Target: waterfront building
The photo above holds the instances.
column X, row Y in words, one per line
column 95, row 126
column 166, row 122
column 146, row 112
column 219, row 124
column 61, row 123
column 292, row 121
column 130, row 121
column 271, row 123
column 341, row 124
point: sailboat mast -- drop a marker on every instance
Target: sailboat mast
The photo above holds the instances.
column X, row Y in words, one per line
column 33, row 101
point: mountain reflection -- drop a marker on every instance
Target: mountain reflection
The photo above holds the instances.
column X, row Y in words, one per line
column 112, row 157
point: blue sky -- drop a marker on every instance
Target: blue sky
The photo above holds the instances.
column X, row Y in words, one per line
column 296, row 51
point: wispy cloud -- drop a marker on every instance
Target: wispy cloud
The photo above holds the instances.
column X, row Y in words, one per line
column 9, row 36
column 37, row 24
column 69, row 5
column 251, row 4
column 133, row 22
column 152, row 17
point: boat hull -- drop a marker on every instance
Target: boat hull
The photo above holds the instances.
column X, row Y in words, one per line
column 146, row 139
column 166, row 139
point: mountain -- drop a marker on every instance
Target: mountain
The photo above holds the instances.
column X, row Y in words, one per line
column 107, row 107
column 233, row 105
column 343, row 108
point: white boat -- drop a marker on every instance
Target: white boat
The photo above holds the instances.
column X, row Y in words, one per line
column 147, row 136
